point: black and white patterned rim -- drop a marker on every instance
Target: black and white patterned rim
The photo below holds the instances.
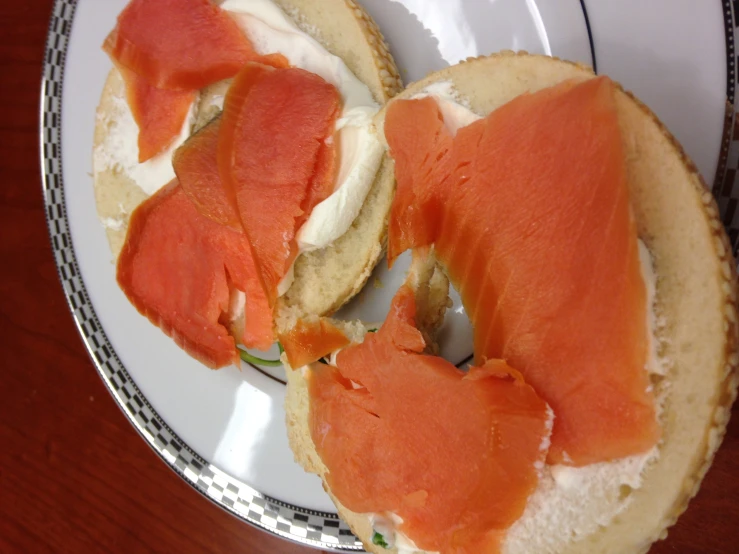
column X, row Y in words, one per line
column 318, row 529
column 725, row 187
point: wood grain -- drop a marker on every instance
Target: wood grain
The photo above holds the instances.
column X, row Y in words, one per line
column 74, row 475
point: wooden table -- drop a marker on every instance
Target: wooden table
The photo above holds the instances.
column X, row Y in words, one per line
column 74, row 475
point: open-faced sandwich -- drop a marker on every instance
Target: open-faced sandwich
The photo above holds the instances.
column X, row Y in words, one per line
column 591, row 261
column 237, row 168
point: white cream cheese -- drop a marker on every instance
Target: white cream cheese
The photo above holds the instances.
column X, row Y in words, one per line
column 236, row 304
column 360, row 150
column 455, row 111
column 387, row 526
column 217, row 101
column 112, row 223
column 271, row 31
column 119, row 151
column 361, row 155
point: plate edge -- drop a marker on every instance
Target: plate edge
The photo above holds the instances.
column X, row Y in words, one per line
column 309, row 527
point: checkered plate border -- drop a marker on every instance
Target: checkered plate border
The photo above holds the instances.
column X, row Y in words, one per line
column 726, row 183
column 317, row 529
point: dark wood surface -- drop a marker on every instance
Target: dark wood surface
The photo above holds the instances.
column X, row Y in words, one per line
column 74, row 475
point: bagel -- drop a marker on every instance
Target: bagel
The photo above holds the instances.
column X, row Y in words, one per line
column 695, row 301
column 325, row 278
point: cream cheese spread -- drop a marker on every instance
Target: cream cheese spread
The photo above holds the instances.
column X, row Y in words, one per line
column 386, row 525
column 455, row 111
column 119, row 151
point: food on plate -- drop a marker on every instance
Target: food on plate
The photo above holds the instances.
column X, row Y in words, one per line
column 247, row 185
column 544, row 253
column 590, row 259
column 386, row 445
column 181, row 251
column 310, row 340
column 277, row 159
column 266, row 129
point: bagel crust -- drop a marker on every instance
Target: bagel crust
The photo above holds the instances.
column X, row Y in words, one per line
column 695, row 302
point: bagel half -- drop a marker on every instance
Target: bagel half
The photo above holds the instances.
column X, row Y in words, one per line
column 325, row 279
column 431, row 288
column 695, row 299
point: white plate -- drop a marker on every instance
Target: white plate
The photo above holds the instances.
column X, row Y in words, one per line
column 224, row 431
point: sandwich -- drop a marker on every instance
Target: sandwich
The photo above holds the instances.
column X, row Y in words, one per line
column 214, row 255
column 591, row 260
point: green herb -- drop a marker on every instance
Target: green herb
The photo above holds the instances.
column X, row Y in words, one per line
column 379, row 540
column 282, row 350
column 249, row 359
column 372, row 330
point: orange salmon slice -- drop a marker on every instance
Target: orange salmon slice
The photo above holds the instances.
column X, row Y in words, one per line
column 454, row 455
column 530, row 216
column 166, row 51
column 196, row 166
column 178, row 44
column 310, row 340
column 177, row 266
column 274, row 158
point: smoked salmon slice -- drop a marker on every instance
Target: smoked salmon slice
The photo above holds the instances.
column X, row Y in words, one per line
column 175, row 268
column 178, row 44
column 241, row 221
column 310, row 340
column 196, row 167
column 274, row 158
column 537, row 235
column 160, row 114
column 454, row 455
column 166, row 51
column 416, row 212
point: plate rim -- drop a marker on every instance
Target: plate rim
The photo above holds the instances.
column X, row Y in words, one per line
column 323, row 530
column 314, row 528
column 724, row 187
